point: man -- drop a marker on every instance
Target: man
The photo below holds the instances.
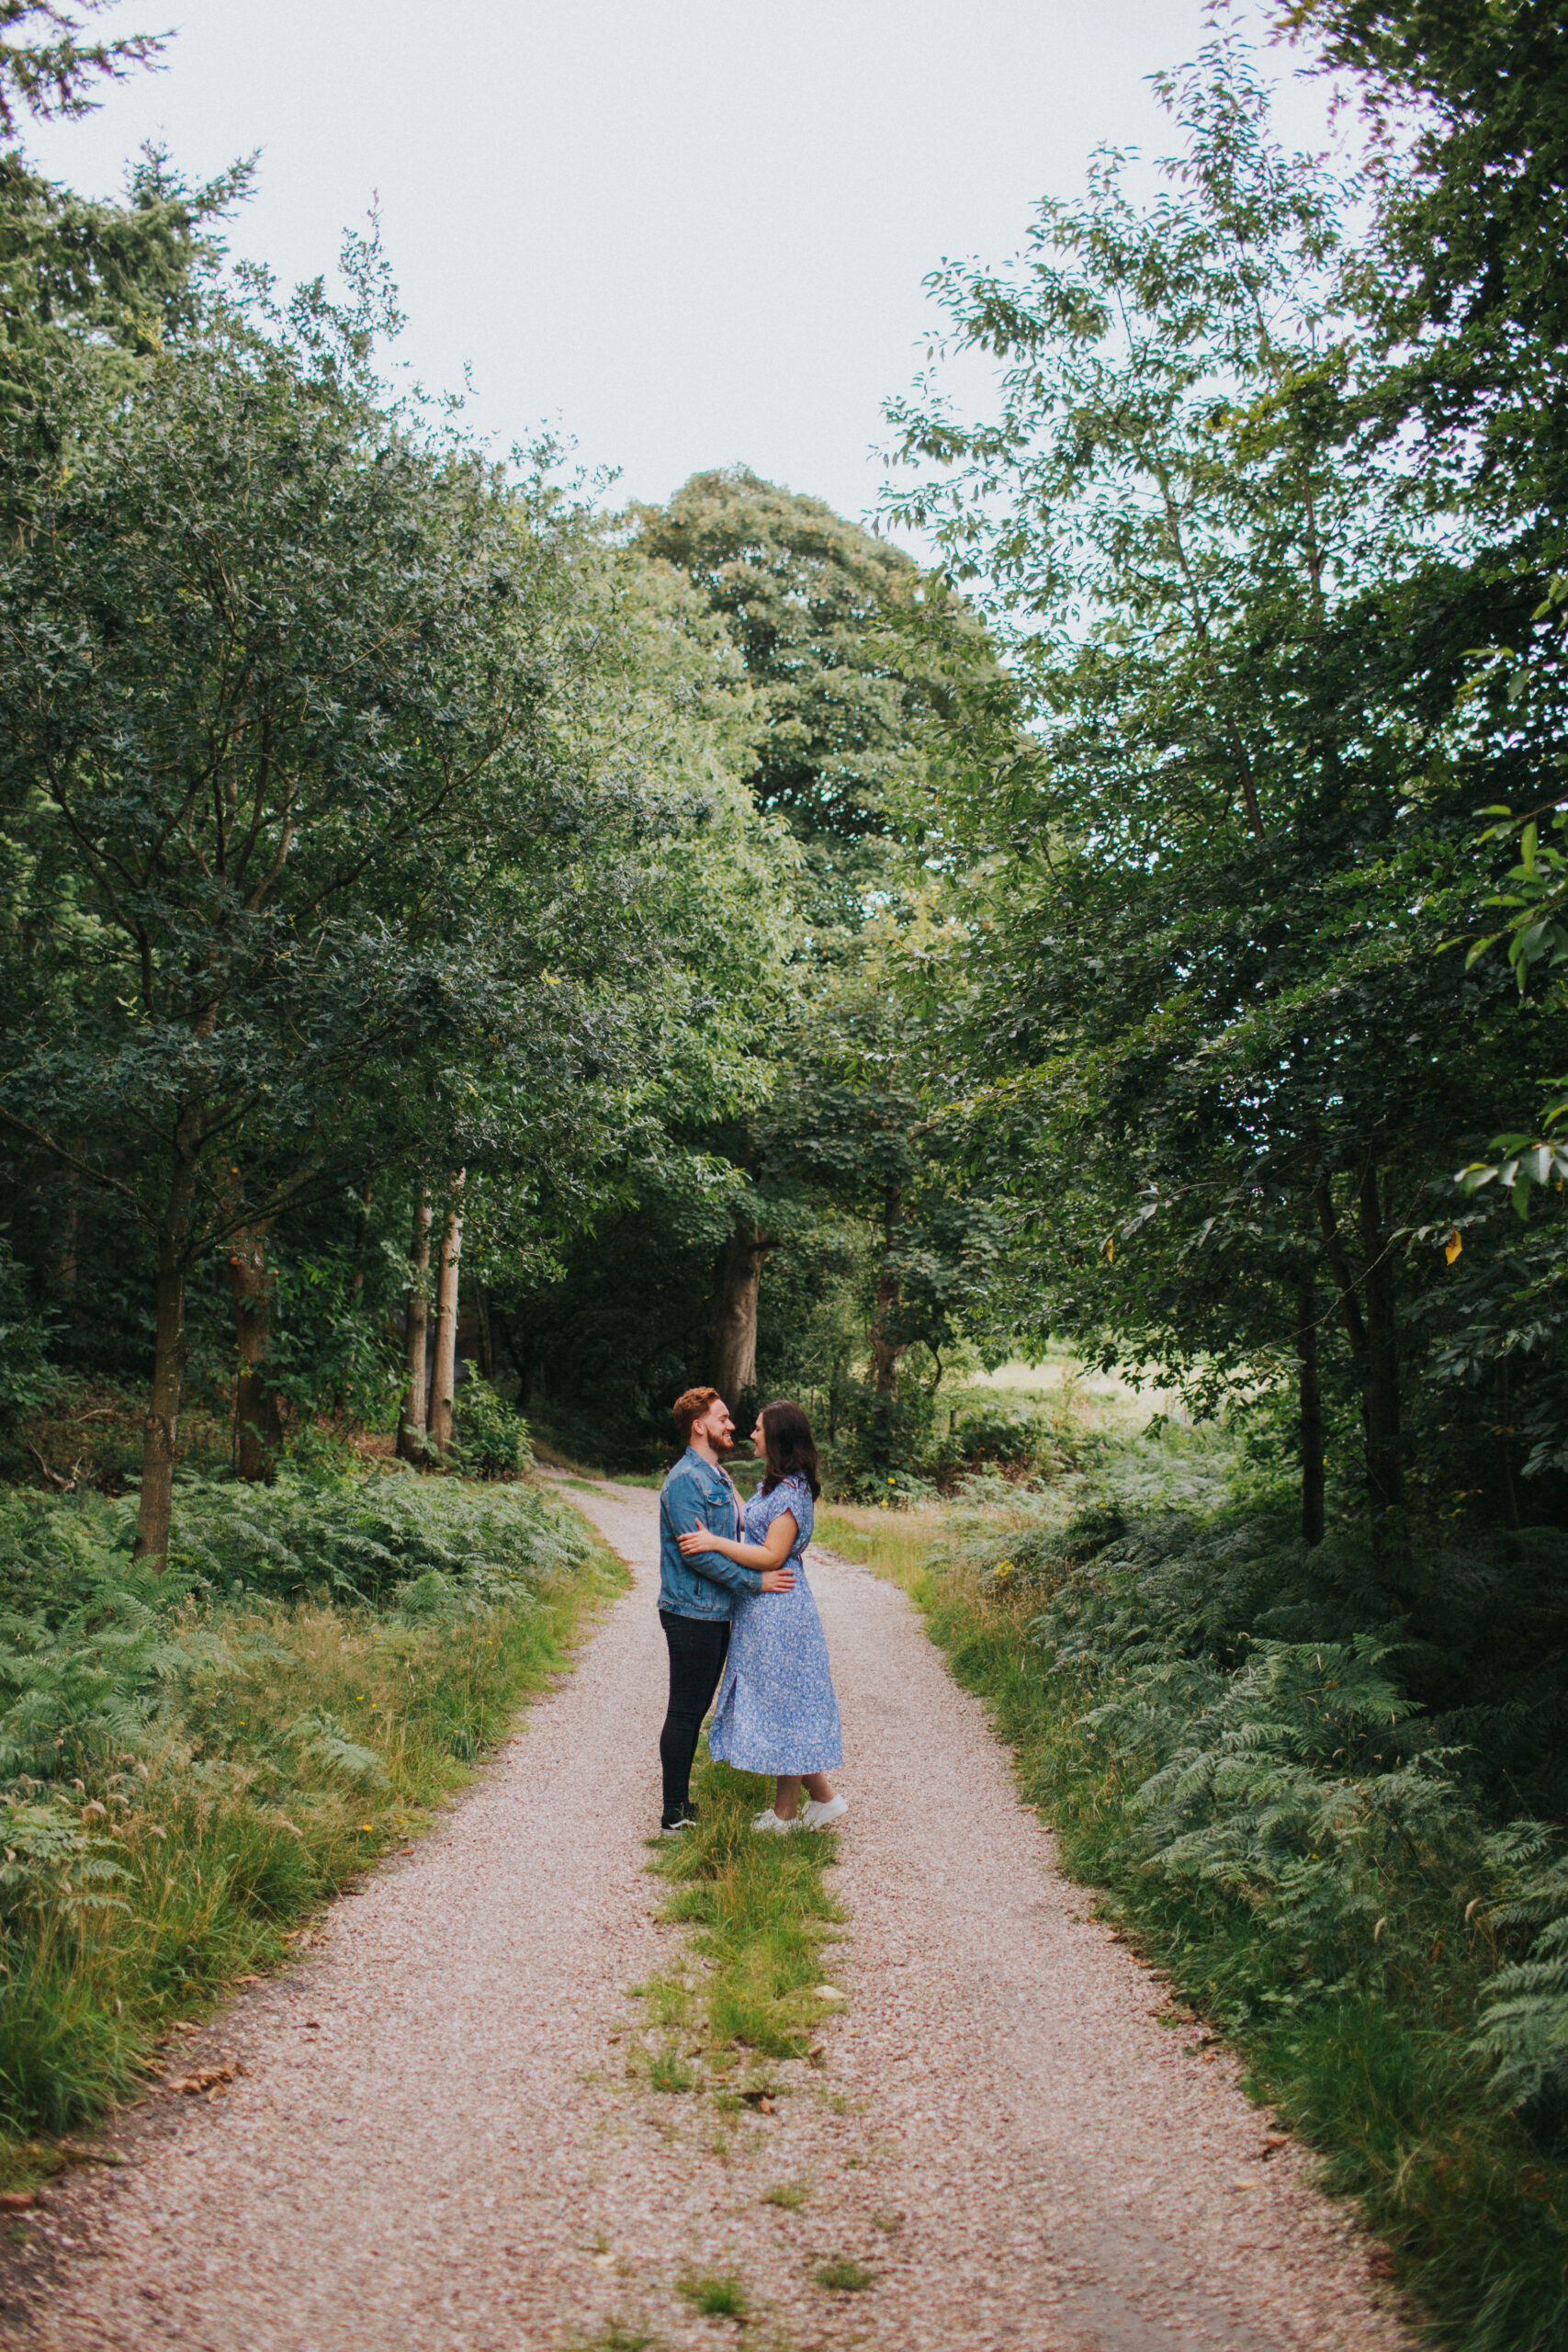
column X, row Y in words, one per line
column 696, row 1596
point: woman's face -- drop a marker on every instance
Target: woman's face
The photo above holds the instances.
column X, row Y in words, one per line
column 760, row 1440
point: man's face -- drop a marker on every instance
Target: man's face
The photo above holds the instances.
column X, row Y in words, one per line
column 716, row 1427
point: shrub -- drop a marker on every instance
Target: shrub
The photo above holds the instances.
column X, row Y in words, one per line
column 490, row 1435
column 26, row 1378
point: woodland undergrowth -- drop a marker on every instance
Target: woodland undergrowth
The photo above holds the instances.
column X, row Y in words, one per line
column 1251, row 1751
column 191, row 1762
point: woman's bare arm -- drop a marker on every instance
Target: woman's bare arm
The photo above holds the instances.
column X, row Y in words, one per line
column 781, row 1542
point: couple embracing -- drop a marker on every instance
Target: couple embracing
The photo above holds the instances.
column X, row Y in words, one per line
column 740, row 1619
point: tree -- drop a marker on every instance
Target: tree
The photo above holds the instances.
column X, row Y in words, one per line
column 79, row 276
column 314, row 857
column 1468, row 111
column 49, row 70
column 867, row 675
column 1224, row 1059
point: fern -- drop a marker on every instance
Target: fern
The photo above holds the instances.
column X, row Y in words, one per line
column 1523, row 2038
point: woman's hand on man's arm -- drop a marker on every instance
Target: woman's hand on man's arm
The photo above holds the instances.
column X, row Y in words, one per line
column 770, row 1556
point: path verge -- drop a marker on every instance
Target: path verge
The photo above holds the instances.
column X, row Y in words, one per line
column 224, row 1762
column 1472, row 2219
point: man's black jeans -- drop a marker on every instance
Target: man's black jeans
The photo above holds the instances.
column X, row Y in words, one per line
column 698, row 1648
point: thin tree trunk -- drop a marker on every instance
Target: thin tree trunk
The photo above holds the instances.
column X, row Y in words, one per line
column 412, row 1421
column 65, row 1262
column 160, row 1430
column 884, row 1349
column 445, row 1383
column 1373, row 1342
column 1339, row 1267
column 1505, row 1429
column 1311, row 1408
column 732, row 1314
column 258, row 1432
column 1385, row 1466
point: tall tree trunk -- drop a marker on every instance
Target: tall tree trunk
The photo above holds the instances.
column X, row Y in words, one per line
column 884, row 1349
column 1311, row 1408
column 732, row 1314
column 416, row 1331
column 71, row 1226
column 258, row 1432
column 160, row 1430
column 1385, row 1465
column 1374, row 1347
column 1505, row 1430
column 444, row 1382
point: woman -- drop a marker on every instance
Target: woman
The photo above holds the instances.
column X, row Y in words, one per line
column 776, row 1712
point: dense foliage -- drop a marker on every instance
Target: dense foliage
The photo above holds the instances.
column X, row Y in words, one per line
column 473, row 966
column 1287, row 1812
column 192, row 1759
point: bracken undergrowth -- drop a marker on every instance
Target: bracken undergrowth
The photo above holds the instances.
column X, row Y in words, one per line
column 1251, row 1751
column 191, row 1762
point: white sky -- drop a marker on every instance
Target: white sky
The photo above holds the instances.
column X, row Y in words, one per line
column 686, row 232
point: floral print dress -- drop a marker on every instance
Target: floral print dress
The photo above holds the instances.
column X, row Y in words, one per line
column 776, row 1711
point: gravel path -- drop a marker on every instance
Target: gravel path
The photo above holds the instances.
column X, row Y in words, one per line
column 436, row 2146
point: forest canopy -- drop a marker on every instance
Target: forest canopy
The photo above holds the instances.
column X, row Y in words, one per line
column 456, row 934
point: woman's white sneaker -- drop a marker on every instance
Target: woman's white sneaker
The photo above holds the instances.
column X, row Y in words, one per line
column 819, row 1816
column 770, row 1822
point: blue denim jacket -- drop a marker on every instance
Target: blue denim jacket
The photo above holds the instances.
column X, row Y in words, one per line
column 698, row 1494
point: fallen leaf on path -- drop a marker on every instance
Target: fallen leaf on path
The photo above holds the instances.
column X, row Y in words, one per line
column 206, row 2078
column 1273, row 2140
column 17, row 2200
column 764, row 2106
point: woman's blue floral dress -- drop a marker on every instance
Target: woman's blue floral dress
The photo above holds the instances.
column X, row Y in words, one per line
column 776, row 1711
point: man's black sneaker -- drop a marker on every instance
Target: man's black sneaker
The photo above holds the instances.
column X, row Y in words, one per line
column 673, row 1828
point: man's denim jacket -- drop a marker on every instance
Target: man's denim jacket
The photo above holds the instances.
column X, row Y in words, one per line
column 695, row 1494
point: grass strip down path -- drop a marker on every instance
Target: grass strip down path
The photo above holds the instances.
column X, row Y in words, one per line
column 1472, row 2202
column 224, row 1762
column 762, row 1918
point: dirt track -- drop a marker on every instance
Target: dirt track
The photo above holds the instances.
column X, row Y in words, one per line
column 436, row 2148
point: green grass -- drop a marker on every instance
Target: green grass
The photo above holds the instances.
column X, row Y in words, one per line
column 718, row 2294
column 788, row 2194
column 896, row 1542
column 1472, row 2202
column 279, row 1749
column 761, row 1918
column 844, row 2276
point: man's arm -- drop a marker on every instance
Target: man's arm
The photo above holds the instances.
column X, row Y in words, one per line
column 684, row 1502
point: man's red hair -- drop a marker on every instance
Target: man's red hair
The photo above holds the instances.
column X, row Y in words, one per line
column 691, row 1408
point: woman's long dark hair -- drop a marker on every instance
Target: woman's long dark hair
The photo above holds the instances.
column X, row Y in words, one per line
column 789, row 1445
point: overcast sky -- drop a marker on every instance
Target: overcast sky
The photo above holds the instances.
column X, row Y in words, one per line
column 686, row 232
